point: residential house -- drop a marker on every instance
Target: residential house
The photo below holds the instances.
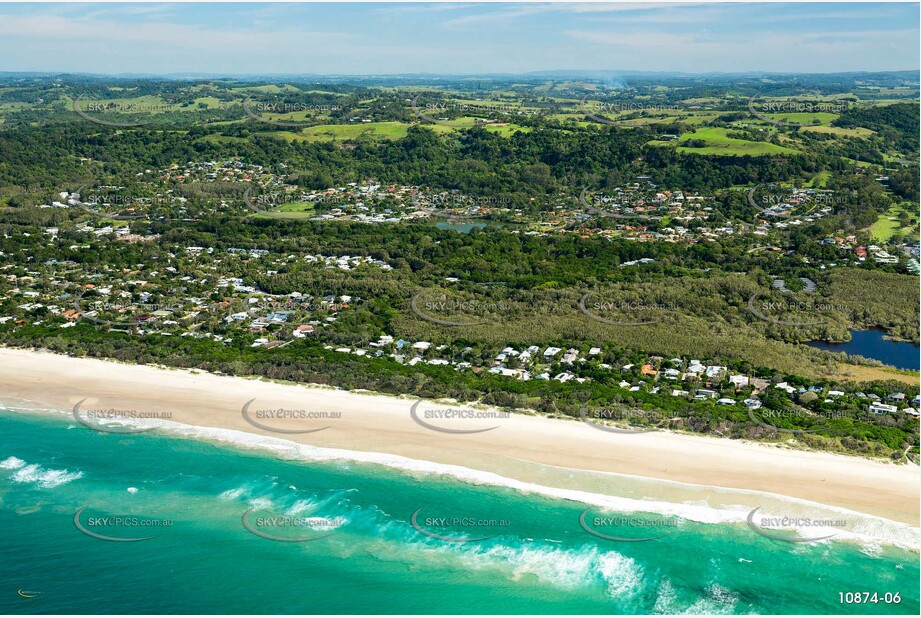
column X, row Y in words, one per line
column 882, row 408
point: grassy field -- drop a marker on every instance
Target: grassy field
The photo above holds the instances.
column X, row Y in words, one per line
column 343, row 132
column 467, row 122
column 819, row 180
column 654, row 116
column 888, row 224
column 578, row 119
column 864, row 373
column 808, row 118
column 209, row 102
column 374, row 130
column 855, row 132
column 142, row 106
column 702, row 101
column 292, row 210
column 719, row 143
column 698, row 118
column 268, row 88
column 303, row 117
column 380, row 130
column 507, row 130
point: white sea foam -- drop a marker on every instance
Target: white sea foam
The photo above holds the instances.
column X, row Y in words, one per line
column 17, row 404
column 232, row 494
column 621, row 574
column 666, row 598
column 12, row 463
column 568, row 569
column 717, row 600
column 261, row 503
column 44, row 477
column 301, row 506
column 862, row 528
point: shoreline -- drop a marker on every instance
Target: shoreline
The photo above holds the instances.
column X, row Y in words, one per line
column 530, row 451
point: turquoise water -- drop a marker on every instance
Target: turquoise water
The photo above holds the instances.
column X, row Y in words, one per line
column 538, row 558
column 872, row 344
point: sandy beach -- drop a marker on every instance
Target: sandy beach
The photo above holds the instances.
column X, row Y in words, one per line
column 384, row 424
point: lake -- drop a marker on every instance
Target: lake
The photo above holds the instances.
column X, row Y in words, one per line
column 871, row 344
column 460, row 226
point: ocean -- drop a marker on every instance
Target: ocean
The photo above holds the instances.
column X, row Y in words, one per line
column 221, row 522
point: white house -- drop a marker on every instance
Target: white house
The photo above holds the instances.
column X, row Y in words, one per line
column 882, row 408
column 784, row 386
column 739, row 381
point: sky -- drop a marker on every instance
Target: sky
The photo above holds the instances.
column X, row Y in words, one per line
column 457, row 38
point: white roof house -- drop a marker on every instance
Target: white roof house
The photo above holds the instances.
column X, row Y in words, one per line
column 882, row 408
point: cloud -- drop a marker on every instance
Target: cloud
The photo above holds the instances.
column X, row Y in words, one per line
column 420, row 7
column 455, row 38
column 111, row 32
column 769, row 51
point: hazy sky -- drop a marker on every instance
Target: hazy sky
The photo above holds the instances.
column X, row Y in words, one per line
column 374, row 38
